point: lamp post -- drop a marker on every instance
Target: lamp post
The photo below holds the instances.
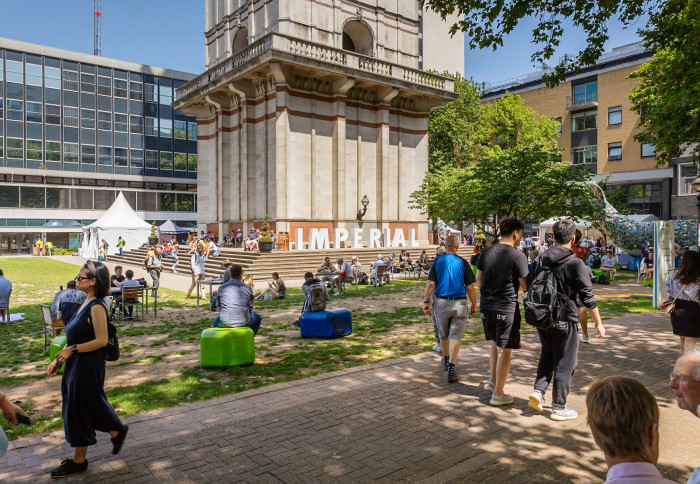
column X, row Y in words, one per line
column 696, row 187
column 361, row 213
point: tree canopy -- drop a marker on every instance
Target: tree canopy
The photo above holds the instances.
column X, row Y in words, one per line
column 495, row 160
column 487, row 22
column 667, row 95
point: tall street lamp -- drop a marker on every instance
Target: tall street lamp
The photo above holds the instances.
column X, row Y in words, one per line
column 361, row 213
column 696, row 187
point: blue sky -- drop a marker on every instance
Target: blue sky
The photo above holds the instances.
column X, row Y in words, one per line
column 169, row 33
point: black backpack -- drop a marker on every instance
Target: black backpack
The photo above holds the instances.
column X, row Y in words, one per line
column 596, row 262
column 542, row 300
column 111, row 351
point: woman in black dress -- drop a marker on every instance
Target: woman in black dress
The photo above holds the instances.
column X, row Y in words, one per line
column 683, row 285
column 85, row 406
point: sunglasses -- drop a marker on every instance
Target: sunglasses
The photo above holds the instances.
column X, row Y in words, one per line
column 80, row 278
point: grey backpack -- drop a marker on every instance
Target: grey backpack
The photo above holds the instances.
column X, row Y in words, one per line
column 317, row 296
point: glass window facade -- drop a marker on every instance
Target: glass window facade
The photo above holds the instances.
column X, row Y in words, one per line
column 584, row 120
column 615, row 151
column 584, row 154
column 585, row 93
column 74, row 116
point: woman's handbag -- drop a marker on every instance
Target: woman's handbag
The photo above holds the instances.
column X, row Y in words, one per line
column 111, row 351
column 670, row 306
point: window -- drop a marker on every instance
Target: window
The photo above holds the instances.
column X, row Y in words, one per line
column 180, row 129
column 121, row 88
column 192, row 162
column 34, row 151
column 105, row 155
column 136, row 124
column 686, row 175
column 53, row 114
column 70, row 80
column 152, row 126
column 70, row 152
column 558, row 120
column 87, row 82
column 585, row 93
column 15, row 109
column 185, row 202
column 191, row 130
column 88, row 154
column 2, row 147
column 646, row 193
column 615, row 115
column 34, row 75
column 357, row 37
column 15, row 71
column 166, row 95
column 166, row 127
column 15, row 148
column 584, row 154
column 121, row 156
column 167, row 202
column 52, row 77
column 53, row 151
column 32, row 197
column 121, row 123
column 166, row 160
column 9, row 196
column 180, row 161
column 648, row 150
column 104, row 121
column 70, row 116
column 136, row 158
column 614, row 151
column 104, row 86
column 584, row 120
column 151, row 92
column 87, row 118
column 135, row 91
column 81, row 199
column 151, row 159
column 34, row 113
column 2, row 110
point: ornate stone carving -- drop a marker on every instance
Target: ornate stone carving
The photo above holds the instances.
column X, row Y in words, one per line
column 359, row 13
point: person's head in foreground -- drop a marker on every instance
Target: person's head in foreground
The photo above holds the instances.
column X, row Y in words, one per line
column 511, row 228
column 624, row 420
column 564, row 231
column 451, row 243
column 685, row 382
column 236, row 271
column 93, row 279
column 308, row 275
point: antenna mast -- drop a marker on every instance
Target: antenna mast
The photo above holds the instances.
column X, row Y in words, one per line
column 98, row 27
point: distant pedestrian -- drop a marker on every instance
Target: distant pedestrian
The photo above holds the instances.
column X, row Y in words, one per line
column 49, row 247
column 105, row 248
column 155, row 266
column 683, row 289
column 559, row 353
column 5, row 291
column 120, row 245
column 173, row 255
column 197, row 269
column 502, row 270
column 452, row 280
column 85, row 405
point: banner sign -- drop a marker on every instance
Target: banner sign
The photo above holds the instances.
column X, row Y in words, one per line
column 320, row 238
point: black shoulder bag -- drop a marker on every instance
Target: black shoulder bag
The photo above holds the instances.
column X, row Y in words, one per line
column 111, row 351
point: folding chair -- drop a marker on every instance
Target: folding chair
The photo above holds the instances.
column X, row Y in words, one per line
column 132, row 293
column 55, row 326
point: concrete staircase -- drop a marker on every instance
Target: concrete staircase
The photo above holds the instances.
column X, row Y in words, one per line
column 289, row 264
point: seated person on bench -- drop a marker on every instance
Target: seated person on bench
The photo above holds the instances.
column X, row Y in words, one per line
column 236, row 299
column 609, row 265
column 315, row 295
column 373, row 278
column 129, row 282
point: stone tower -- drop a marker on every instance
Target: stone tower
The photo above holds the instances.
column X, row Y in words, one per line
column 307, row 107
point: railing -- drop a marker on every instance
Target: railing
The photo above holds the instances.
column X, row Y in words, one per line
column 312, row 50
column 585, row 98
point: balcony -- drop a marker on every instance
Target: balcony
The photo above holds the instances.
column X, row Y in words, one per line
column 278, row 47
column 582, row 101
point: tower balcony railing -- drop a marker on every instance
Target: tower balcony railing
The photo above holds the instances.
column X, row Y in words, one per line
column 283, row 47
column 582, row 101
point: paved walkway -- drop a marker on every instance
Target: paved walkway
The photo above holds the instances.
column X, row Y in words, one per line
column 394, row 421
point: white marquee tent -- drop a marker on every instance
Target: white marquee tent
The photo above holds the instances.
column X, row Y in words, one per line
column 119, row 220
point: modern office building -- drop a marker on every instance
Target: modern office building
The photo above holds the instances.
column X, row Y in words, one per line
column 307, row 110
column 75, row 130
column 597, row 130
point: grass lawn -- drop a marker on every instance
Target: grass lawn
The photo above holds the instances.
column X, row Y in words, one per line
column 387, row 323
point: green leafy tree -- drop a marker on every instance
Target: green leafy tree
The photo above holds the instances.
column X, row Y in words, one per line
column 667, row 95
column 515, row 169
column 487, row 22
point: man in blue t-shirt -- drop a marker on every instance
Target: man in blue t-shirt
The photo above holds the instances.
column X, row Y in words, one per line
column 452, row 280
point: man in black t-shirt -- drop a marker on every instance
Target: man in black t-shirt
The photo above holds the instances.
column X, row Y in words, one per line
column 117, row 278
column 501, row 271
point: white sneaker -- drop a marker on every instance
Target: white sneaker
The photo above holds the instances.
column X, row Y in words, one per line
column 489, row 386
column 561, row 414
column 586, row 338
column 536, row 400
column 498, row 400
column 437, row 347
column 337, row 294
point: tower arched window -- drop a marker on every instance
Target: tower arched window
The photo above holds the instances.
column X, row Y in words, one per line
column 240, row 40
column 357, row 37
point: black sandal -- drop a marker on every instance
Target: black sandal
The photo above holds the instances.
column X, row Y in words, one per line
column 118, row 441
column 69, row 467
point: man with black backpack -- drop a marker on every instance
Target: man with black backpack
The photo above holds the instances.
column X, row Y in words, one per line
column 315, row 295
column 556, row 279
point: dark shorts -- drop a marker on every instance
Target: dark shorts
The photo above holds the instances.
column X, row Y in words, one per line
column 579, row 302
column 685, row 319
column 503, row 327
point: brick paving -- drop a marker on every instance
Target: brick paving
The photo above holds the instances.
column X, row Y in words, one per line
column 397, row 420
